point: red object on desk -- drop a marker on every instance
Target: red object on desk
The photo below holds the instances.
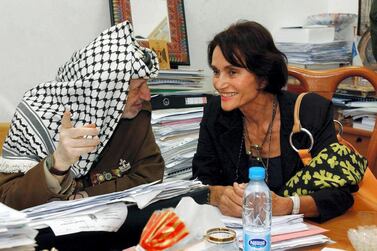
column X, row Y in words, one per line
column 162, row 231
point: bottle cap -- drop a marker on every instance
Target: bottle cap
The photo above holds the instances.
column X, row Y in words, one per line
column 256, row 173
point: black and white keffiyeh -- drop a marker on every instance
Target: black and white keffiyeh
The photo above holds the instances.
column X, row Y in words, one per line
column 93, row 84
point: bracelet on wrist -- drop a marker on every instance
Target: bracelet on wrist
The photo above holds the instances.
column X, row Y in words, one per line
column 50, row 164
column 208, row 196
column 296, row 204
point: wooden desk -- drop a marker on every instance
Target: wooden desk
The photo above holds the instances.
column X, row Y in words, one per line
column 339, row 226
column 4, row 127
column 358, row 138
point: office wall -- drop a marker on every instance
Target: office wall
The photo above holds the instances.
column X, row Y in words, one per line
column 38, row 36
column 205, row 18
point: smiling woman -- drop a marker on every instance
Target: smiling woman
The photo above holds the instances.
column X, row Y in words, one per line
column 236, row 85
column 249, row 125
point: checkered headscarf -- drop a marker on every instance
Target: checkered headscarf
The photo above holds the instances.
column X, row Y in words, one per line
column 93, row 84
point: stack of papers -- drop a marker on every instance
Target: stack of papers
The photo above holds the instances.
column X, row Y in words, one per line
column 177, row 80
column 287, row 232
column 298, row 242
column 317, row 53
column 102, row 212
column 177, row 132
column 363, row 116
column 15, row 234
column 306, row 34
column 280, row 224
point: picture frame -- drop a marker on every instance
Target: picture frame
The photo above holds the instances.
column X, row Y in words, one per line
column 120, row 10
column 365, row 43
column 365, row 51
column 363, row 16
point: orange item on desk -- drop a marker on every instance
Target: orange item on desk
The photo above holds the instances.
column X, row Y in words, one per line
column 162, row 231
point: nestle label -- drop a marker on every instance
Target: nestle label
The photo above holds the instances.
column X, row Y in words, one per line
column 257, row 243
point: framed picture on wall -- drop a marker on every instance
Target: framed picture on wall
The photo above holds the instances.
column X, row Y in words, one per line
column 363, row 19
column 157, row 20
column 365, row 43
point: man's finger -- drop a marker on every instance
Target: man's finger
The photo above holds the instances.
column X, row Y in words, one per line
column 83, row 132
column 66, row 120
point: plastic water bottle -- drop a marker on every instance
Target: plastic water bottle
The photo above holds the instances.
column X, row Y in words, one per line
column 256, row 213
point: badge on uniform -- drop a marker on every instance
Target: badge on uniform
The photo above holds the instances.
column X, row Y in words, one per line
column 124, row 166
column 98, row 178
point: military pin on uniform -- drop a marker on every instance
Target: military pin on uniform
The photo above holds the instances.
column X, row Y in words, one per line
column 124, row 166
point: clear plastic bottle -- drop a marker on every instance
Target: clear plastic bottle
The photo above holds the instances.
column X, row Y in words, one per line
column 256, row 212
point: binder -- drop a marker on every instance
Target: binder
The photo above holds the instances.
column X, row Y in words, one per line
column 179, row 100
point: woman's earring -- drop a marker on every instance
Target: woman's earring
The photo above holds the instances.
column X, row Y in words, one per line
column 262, row 85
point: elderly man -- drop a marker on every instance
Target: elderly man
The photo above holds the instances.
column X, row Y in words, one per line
column 88, row 132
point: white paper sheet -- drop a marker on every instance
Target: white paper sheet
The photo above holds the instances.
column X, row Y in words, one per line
column 18, row 237
column 14, row 231
column 198, row 219
column 109, row 219
column 59, row 213
column 11, row 217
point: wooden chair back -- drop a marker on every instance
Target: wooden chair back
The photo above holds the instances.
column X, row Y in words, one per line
column 4, row 127
column 325, row 83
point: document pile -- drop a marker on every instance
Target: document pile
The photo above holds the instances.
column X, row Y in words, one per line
column 317, row 53
column 362, row 117
column 176, row 80
column 15, row 234
column 177, row 133
column 105, row 212
column 287, row 232
column 305, row 34
column 363, row 111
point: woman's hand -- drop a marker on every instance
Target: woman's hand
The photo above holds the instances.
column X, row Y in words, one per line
column 73, row 142
column 281, row 205
column 228, row 198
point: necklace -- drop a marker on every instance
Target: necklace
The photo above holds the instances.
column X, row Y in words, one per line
column 255, row 150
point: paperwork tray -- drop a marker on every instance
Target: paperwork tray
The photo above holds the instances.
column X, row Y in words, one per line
column 128, row 235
